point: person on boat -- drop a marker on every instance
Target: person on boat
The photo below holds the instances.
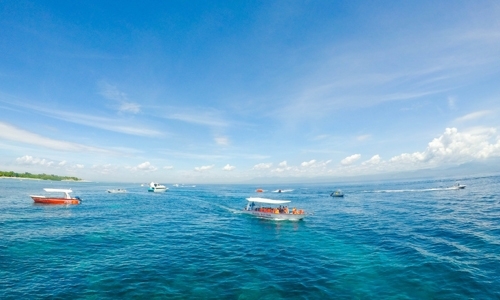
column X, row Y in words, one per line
column 252, row 206
column 279, row 191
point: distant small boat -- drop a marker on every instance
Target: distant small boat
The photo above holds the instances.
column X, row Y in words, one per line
column 337, row 193
column 157, row 188
column 259, row 190
column 67, row 199
column 117, row 191
column 459, row 186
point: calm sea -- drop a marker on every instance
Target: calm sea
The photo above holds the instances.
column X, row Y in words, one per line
column 384, row 240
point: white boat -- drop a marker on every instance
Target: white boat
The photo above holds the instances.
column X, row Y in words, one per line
column 459, row 186
column 117, row 191
column 157, row 188
column 257, row 207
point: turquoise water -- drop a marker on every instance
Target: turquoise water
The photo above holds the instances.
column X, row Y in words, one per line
column 386, row 240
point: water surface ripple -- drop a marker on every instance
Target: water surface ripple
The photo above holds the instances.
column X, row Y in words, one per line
column 386, row 240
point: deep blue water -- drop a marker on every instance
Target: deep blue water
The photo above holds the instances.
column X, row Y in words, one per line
column 386, row 240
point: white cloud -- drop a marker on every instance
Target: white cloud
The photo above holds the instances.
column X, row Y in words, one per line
column 323, row 163
column 350, row 159
column 452, row 103
column 111, row 92
column 376, row 159
column 282, row 167
column 105, row 169
column 12, row 133
column 62, row 163
column 308, row 164
column 454, row 147
column 228, row 168
column 130, row 107
column 79, row 166
column 451, row 148
column 168, row 167
column 145, row 166
column 203, row 168
column 224, row 141
column 200, row 116
column 30, row 160
column 116, row 125
column 474, row 115
column 262, row 166
column 363, row 137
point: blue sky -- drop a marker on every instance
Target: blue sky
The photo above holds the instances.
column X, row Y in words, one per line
column 211, row 91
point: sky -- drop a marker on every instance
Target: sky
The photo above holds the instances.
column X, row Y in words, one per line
column 232, row 91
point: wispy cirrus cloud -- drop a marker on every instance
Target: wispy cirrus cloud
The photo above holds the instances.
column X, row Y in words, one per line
column 15, row 134
column 474, row 115
column 205, row 116
column 112, row 92
column 353, row 75
column 109, row 124
column 222, row 140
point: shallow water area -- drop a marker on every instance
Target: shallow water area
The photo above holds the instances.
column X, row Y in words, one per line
column 412, row 239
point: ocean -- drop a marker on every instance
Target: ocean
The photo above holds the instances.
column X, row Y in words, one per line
column 384, row 240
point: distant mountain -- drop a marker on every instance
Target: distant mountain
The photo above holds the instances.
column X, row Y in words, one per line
column 481, row 168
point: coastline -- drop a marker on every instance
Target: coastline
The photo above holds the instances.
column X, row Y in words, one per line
column 27, row 178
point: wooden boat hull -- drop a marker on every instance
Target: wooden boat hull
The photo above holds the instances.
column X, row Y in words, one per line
column 52, row 200
column 273, row 216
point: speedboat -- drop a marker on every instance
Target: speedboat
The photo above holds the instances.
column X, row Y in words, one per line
column 256, row 207
column 67, row 199
column 459, row 186
column 337, row 193
column 117, row 191
column 157, row 188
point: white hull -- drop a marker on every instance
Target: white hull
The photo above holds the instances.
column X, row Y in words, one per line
column 157, row 190
column 118, row 191
column 273, row 216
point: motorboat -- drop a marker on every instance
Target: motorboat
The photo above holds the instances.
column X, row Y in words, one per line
column 259, row 190
column 273, row 210
column 458, row 186
column 157, row 188
column 117, row 191
column 66, row 199
column 337, row 193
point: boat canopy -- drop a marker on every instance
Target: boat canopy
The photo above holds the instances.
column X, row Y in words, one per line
column 58, row 190
column 268, row 201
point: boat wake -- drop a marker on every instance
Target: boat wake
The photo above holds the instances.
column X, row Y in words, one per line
column 283, row 191
column 413, row 190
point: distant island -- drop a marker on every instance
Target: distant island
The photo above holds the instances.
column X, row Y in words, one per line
column 44, row 176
